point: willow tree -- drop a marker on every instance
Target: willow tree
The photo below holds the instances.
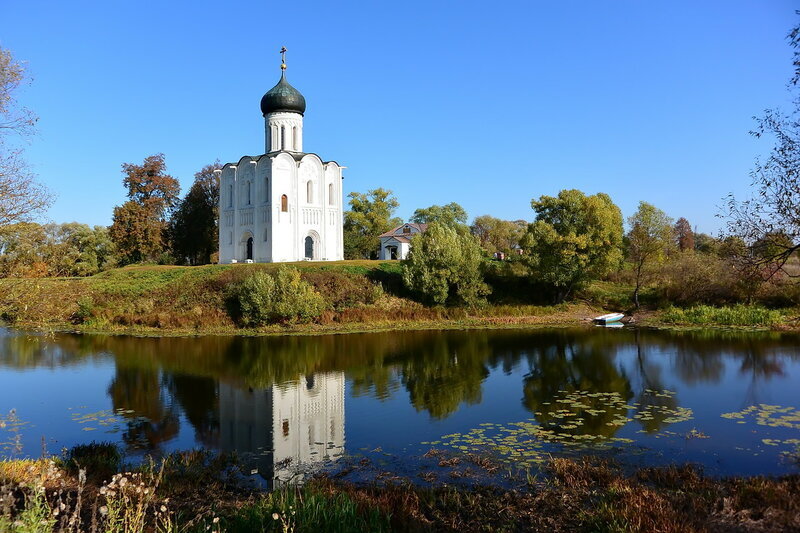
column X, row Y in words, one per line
column 444, row 267
column 574, row 239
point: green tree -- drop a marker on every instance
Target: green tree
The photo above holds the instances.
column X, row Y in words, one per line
column 705, row 243
column 370, row 215
column 193, row 227
column 497, row 235
column 139, row 227
column 21, row 196
column 444, row 267
column 451, row 214
column 772, row 244
column 649, row 241
column 74, row 249
column 732, row 247
column 21, row 247
column 575, row 238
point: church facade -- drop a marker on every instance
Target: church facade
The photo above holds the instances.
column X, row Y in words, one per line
column 286, row 204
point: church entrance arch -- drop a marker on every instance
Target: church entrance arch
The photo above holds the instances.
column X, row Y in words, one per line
column 247, row 247
column 311, row 246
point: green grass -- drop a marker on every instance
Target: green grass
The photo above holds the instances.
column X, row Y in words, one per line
column 737, row 315
column 307, row 510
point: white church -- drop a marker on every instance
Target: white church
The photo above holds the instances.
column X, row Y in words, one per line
column 286, row 204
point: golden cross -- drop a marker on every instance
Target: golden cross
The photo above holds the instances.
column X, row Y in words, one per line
column 283, row 58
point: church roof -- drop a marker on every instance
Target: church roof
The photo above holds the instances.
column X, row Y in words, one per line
column 283, row 97
column 297, row 156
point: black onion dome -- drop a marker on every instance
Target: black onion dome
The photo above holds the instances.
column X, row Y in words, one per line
column 283, row 97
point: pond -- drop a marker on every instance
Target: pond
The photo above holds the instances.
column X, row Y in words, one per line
column 729, row 401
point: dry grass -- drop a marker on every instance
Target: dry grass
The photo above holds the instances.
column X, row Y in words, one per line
column 575, row 495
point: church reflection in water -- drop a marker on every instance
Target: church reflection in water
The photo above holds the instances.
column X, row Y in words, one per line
column 285, row 429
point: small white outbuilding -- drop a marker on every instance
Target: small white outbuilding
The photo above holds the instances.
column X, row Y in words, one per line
column 396, row 243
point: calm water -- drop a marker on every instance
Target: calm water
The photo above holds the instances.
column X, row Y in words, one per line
column 728, row 401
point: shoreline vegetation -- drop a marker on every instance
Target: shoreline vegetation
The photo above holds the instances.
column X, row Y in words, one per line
column 357, row 296
column 90, row 488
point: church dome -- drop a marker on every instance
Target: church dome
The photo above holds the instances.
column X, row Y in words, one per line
column 283, row 97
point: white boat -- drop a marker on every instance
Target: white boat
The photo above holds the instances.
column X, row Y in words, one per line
column 609, row 318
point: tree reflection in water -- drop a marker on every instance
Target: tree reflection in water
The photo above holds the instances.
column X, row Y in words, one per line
column 568, row 364
column 163, row 379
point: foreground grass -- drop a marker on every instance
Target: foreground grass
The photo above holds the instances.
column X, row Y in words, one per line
column 197, row 491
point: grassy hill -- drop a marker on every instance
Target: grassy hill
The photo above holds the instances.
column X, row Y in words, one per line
column 359, row 296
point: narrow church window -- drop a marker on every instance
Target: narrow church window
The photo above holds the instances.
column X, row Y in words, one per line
column 283, row 137
column 330, row 194
column 230, row 195
column 266, row 190
column 310, row 191
column 266, row 233
column 249, row 187
column 294, row 138
column 284, row 203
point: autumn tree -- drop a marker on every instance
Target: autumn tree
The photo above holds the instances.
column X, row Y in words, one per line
column 194, row 234
column 443, row 266
column 21, row 196
column 774, row 209
column 649, row 240
column 574, row 239
column 497, row 235
column 451, row 214
column 139, row 227
column 684, row 237
column 370, row 215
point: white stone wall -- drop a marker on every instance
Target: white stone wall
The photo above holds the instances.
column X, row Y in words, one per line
column 251, row 206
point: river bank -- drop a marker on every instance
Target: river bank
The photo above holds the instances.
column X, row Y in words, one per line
column 360, row 296
column 199, row 491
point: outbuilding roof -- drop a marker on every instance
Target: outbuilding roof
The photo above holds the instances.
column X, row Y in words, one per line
column 394, row 232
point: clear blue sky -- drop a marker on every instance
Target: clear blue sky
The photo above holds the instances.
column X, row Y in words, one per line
column 487, row 104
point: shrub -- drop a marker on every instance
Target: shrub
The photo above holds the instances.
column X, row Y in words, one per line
column 263, row 298
column 342, row 290
column 100, row 460
column 692, row 278
column 84, row 312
